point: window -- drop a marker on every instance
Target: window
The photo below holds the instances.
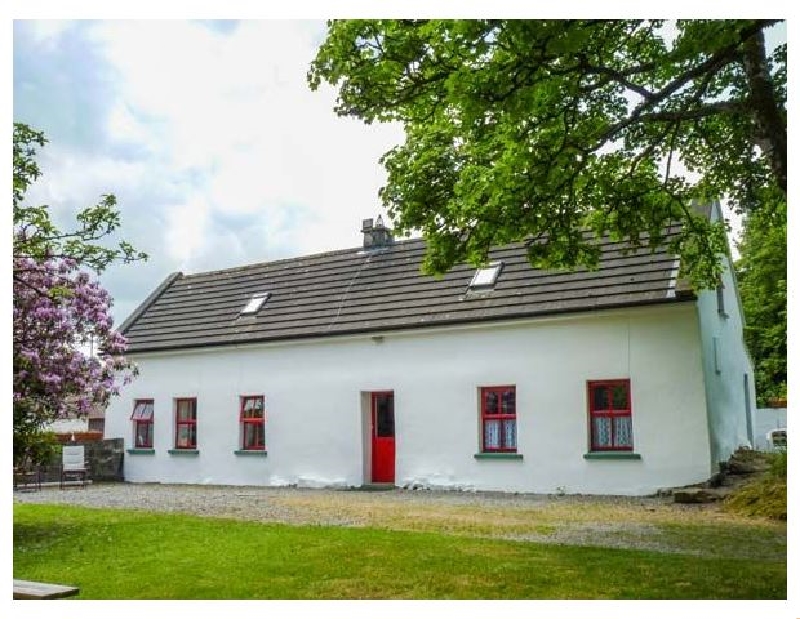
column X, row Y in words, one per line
column 721, row 300
column 185, row 423
column 499, row 419
column 252, row 419
column 255, row 303
column 486, row 277
column 610, row 415
column 142, row 424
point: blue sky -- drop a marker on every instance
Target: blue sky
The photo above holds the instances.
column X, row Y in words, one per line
column 207, row 133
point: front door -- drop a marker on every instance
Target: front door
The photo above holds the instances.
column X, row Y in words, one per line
column 383, row 437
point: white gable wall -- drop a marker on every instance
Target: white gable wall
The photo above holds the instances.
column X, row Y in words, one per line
column 725, row 368
column 313, row 395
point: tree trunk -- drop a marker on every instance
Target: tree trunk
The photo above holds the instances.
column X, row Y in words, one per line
column 770, row 122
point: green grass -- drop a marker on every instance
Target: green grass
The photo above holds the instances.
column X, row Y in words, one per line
column 118, row 554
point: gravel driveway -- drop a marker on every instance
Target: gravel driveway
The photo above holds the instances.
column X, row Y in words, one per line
column 626, row 522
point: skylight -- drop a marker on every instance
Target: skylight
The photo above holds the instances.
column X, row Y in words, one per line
column 255, row 303
column 486, row 276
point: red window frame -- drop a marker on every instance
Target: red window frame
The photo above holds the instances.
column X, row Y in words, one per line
column 188, row 423
column 498, row 416
column 252, row 421
column 147, row 423
column 609, row 413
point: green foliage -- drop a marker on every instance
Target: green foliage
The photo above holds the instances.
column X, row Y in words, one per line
column 125, row 554
column 36, row 236
column 37, row 446
column 761, row 273
column 779, row 464
column 56, row 305
column 539, row 130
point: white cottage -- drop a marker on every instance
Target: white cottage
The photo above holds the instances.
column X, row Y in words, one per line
column 350, row 368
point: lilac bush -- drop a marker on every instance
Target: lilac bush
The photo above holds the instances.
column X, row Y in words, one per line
column 59, row 307
column 56, row 308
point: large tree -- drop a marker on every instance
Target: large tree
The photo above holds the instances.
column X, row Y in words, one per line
column 541, row 129
column 761, row 272
column 58, row 306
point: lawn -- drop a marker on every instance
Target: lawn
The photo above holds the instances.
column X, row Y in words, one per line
column 126, row 554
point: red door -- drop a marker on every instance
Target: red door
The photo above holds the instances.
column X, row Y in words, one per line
column 383, row 437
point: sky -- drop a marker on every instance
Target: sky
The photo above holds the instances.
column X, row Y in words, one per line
column 207, row 133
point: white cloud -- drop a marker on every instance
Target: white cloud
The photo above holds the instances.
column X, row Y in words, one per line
column 235, row 111
column 187, row 229
column 218, row 152
column 47, row 31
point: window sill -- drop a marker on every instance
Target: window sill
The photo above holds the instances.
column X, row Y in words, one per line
column 183, row 452
column 141, row 452
column 612, row 455
column 498, row 456
column 258, row 453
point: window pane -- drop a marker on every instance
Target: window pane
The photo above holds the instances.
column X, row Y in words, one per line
column 143, row 411
column 187, row 436
column 622, row 432
column 508, row 402
column 254, row 408
column 491, row 434
column 600, row 398
column 510, row 433
column 601, row 432
column 253, row 435
column 490, row 402
column 186, row 410
column 620, row 397
column 384, row 416
column 144, row 434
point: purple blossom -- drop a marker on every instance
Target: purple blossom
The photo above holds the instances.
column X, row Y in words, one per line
column 49, row 370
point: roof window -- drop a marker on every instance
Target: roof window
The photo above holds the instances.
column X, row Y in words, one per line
column 487, row 276
column 255, row 303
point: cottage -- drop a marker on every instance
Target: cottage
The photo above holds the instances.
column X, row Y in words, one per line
column 350, row 367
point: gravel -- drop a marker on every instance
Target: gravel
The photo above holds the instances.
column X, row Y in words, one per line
column 624, row 522
column 268, row 504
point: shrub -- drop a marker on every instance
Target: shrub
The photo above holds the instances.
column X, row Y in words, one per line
column 765, row 496
column 778, row 464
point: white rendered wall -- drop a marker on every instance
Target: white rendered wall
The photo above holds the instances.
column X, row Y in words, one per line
column 315, row 422
column 725, row 368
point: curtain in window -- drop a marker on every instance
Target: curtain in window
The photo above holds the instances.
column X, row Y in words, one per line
column 491, row 434
column 602, row 431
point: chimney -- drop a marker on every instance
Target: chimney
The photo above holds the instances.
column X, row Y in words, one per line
column 376, row 236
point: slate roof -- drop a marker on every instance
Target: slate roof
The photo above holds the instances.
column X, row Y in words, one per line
column 353, row 291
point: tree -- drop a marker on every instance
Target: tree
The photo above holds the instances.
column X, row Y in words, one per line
column 58, row 306
column 540, row 130
column 761, row 272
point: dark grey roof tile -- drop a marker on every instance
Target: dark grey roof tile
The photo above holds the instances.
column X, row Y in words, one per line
column 350, row 291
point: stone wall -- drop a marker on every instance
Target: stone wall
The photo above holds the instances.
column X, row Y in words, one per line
column 104, row 460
